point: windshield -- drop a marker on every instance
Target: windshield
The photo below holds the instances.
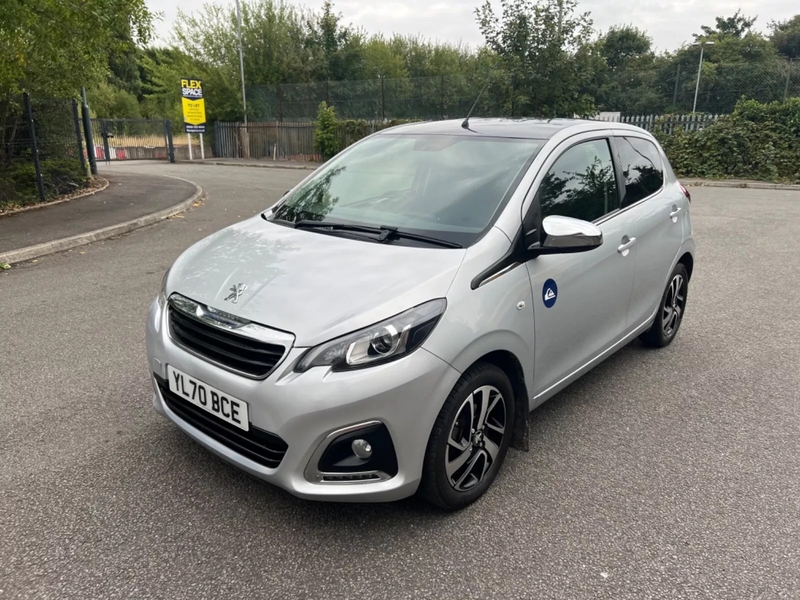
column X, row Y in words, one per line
column 447, row 187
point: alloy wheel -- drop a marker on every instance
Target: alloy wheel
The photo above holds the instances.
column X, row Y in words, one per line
column 475, row 437
column 674, row 305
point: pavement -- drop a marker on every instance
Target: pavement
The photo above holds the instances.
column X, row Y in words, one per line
column 660, row 474
column 128, row 197
column 262, row 162
column 741, row 183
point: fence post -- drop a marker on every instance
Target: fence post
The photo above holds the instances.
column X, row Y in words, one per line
column 675, row 93
column 513, row 95
column 104, row 134
column 87, row 133
column 170, row 144
column 34, row 147
column 280, row 103
column 383, row 98
column 78, row 139
column 788, row 77
column 442, row 111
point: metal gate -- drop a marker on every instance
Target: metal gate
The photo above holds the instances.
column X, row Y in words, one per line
column 133, row 139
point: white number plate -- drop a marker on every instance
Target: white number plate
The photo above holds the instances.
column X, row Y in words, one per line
column 221, row 405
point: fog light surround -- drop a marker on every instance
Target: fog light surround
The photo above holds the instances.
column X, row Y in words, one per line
column 361, row 453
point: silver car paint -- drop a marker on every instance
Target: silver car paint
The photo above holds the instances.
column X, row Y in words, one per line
column 315, row 286
column 318, row 287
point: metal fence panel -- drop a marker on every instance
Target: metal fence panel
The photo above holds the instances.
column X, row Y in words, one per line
column 656, row 90
column 295, row 141
column 131, row 139
column 53, row 127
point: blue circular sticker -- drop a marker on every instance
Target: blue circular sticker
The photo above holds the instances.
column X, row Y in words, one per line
column 549, row 293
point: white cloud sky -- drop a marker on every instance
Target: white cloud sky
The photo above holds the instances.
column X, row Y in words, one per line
column 669, row 22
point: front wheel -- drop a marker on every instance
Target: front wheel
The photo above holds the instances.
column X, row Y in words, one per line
column 469, row 439
column 671, row 310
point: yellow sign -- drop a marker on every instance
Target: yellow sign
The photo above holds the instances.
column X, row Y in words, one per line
column 194, row 106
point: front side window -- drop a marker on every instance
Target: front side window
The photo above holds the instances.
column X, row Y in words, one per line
column 445, row 186
column 581, row 184
column 641, row 167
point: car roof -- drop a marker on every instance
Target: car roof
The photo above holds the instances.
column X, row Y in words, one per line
column 539, row 129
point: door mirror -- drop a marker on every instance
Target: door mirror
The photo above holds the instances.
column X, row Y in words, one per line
column 565, row 234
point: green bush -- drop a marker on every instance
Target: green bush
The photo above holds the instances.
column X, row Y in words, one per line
column 63, row 177
column 757, row 141
column 326, row 139
column 18, row 185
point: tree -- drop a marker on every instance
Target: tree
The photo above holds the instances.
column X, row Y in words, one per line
column 52, row 47
column 786, row 36
column 735, row 26
column 620, row 45
column 541, row 45
column 336, row 50
column 111, row 102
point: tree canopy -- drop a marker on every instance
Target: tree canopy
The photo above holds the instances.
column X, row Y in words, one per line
column 541, row 57
column 53, row 47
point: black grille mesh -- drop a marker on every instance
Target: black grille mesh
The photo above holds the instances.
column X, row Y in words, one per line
column 245, row 355
column 260, row 446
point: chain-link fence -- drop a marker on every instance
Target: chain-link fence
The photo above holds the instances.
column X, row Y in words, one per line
column 41, row 154
column 667, row 89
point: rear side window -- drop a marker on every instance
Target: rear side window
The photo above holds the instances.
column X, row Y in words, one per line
column 642, row 168
column 581, row 184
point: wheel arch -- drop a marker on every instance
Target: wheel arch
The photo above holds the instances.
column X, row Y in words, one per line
column 510, row 365
column 687, row 260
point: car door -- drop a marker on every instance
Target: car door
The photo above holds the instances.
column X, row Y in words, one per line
column 580, row 300
column 653, row 211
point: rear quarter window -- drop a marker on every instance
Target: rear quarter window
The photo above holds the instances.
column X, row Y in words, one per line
column 642, row 168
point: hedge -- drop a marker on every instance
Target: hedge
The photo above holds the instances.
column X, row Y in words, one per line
column 756, row 141
column 18, row 181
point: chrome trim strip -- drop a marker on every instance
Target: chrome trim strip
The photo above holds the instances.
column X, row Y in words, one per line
column 619, row 211
column 499, row 273
column 228, row 322
column 314, row 475
column 231, row 324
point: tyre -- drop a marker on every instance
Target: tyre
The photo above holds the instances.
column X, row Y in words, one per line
column 670, row 311
column 470, row 438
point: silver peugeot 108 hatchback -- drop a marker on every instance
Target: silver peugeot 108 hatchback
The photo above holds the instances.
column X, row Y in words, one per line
column 385, row 329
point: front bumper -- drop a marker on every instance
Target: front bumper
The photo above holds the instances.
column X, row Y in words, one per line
column 304, row 408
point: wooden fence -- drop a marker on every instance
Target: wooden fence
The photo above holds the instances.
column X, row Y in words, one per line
column 295, row 141
column 278, row 141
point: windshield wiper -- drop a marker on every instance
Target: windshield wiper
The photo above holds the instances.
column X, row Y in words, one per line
column 383, row 232
column 393, row 232
column 337, row 227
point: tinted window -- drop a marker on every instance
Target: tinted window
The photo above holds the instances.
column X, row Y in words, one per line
column 641, row 167
column 581, row 183
column 449, row 187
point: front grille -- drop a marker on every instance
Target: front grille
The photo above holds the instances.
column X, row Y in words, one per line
column 238, row 353
column 258, row 445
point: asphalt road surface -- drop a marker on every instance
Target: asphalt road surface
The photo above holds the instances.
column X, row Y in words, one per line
column 661, row 474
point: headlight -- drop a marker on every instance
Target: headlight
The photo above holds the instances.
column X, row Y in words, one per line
column 162, row 295
column 380, row 343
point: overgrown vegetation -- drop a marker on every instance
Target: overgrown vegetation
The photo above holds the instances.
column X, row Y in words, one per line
column 50, row 48
column 18, row 185
column 542, row 57
column 326, row 140
column 757, row 141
